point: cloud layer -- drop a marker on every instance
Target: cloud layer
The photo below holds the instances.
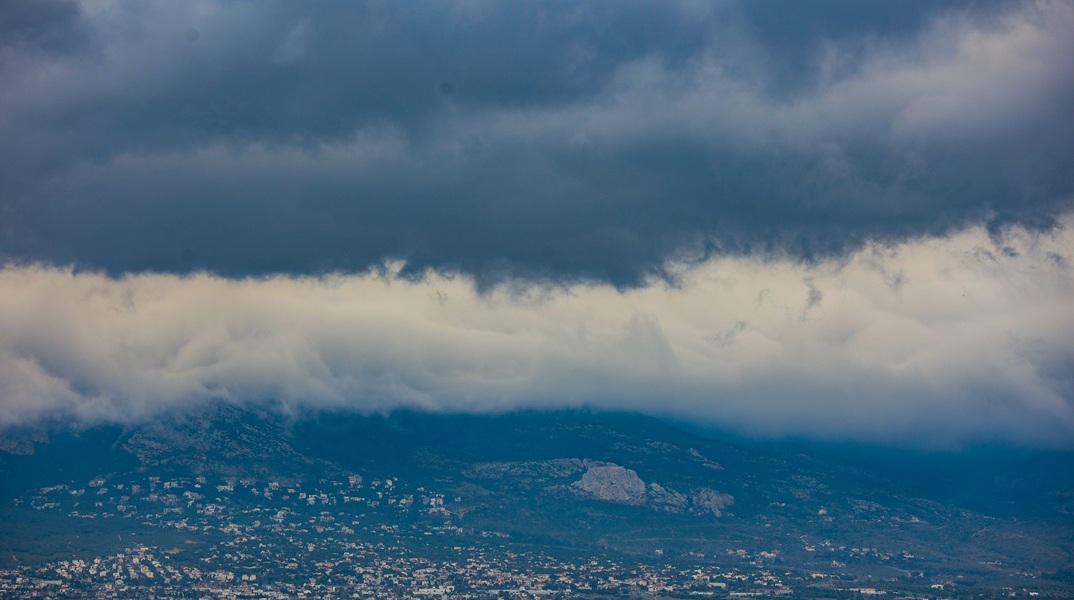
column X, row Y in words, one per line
column 936, row 341
column 849, row 220
column 564, row 142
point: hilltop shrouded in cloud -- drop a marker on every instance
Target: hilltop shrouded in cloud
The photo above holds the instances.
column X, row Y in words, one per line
column 938, row 341
column 843, row 219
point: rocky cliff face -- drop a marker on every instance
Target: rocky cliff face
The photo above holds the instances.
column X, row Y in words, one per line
column 667, row 499
column 612, row 483
column 705, row 500
column 603, row 481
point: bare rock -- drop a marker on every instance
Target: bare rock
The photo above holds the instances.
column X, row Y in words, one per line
column 666, row 499
column 612, row 483
column 705, row 461
column 707, row 500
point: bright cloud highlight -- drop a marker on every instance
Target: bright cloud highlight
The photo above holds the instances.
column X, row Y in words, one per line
column 939, row 340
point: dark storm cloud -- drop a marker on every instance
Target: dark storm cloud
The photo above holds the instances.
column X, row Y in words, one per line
column 561, row 141
column 41, row 26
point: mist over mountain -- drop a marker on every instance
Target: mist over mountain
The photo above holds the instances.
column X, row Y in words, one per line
column 458, row 298
column 937, row 343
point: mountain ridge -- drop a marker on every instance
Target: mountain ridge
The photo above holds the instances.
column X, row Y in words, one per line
column 567, row 481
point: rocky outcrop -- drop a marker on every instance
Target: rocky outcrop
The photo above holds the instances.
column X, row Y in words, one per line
column 707, row 500
column 705, row 461
column 666, row 499
column 603, row 481
column 612, row 483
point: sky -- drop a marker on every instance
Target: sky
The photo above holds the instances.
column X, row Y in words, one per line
column 840, row 220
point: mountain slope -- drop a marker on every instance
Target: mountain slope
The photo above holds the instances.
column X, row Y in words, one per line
column 568, row 482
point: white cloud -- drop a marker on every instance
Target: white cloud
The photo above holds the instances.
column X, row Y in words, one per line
column 941, row 339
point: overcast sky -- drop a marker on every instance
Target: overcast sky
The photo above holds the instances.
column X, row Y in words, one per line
column 839, row 219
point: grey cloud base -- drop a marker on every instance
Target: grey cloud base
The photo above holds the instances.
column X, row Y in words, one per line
column 559, row 142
